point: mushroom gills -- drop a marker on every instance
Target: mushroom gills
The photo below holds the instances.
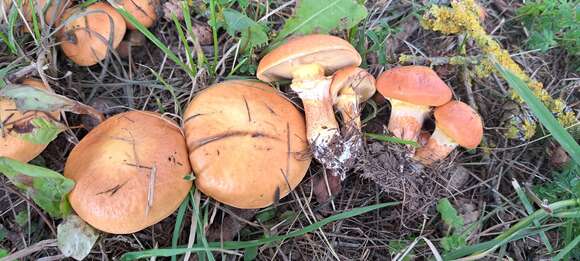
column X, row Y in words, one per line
column 406, row 119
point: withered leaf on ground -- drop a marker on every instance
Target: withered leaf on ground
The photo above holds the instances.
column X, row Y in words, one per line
column 75, row 237
column 28, row 98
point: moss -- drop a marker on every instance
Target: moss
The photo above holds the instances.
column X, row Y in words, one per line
column 463, row 17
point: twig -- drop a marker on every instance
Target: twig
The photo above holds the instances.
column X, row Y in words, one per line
column 30, row 250
column 39, row 211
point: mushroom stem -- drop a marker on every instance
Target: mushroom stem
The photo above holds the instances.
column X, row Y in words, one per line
column 406, row 119
column 347, row 104
column 313, row 88
column 437, row 148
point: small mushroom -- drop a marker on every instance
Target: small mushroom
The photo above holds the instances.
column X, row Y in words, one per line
column 129, row 172
column 143, row 10
column 350, row 87
column 306, row 60
column 53, row 10
column 247, row 143
column 14, row 124
column 411, row 90
column 455, row 124
column 86, row 39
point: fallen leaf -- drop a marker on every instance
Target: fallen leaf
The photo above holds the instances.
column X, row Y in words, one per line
column 75, row 237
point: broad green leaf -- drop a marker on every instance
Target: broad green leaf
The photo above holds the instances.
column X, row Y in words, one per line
column 217, row 246
column 3, row 252
column 28, row 98
column 323, row 16
column 47, row 188
column 542, row 113
column 450, row 243
column 44, row 131
column 252, row 33
column 75, row 238
column 449, row 214
column 250, row 253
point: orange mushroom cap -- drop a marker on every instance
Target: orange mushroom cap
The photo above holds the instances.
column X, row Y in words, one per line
column 330, row 52
column 246, row 143
column 143, row 10
column 12, row 144
column 127, row 161
column 418, row 85
column 85, row 40
column 53, row 10
column 361, row 81
column 460, row 122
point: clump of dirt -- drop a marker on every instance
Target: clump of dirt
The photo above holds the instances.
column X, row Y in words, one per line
column 417, row 187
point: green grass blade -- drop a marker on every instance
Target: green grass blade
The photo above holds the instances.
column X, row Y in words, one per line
column 214, row 29
column 390, row 139
column 183, row 40
column 530, row 209
column 217, row 246
column 544, row 115
column 571, row 246
column 170, row 54
column 178, row 222
column 200, row 227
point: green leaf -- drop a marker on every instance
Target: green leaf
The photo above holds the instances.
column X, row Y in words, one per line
column 21, row 218
column 216, row 246
column 47, row 188
column 28, row 98
column 252, row 33
column 390, row 139
column 75, row 238
column 250, row 253
column 450, row 243
column 44, row 131
column 449, row 214
column 3, row 252
column 323, row 16
column 542, row 113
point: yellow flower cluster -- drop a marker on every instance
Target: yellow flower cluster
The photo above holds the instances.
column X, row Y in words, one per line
column 464, row 17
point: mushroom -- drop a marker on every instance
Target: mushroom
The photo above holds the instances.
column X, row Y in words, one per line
column 143, row 10
column 130, row 172
column 247, row 143
column 87, row 37
column 350, row 87
column 306, row 60
column 52, row 9
column 455, row 124
column 411, row 90
column 15, row 124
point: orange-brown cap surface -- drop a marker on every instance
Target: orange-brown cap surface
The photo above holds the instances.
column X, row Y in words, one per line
column 331, row 52
column 362, row 82
column 53, row 10
column 246, row 143
column 12, row 143
column 418, row 85
column 85, row 39
column 126, row 160
column 460, row 122
column 143, row 10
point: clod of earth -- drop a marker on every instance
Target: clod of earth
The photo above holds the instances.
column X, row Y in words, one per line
column 412, row 91
column 455, row 124
column 247, row 143
column 306, row 60
column 14, row 124
column 88, row 37
column 143, row 10
column 129, row 172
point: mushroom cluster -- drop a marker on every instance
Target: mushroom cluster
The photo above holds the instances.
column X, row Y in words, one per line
column 309, row 61
column 413, row 91
column 90, row 32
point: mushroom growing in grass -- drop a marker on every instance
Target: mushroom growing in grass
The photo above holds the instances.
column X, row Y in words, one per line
column 144, row 12
column 130, row 172
column 455, row 124
column 15, row 124
column 350, row 87
column 90, row 33
column 307, row 60
column 247, row 143
column 412, row 91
